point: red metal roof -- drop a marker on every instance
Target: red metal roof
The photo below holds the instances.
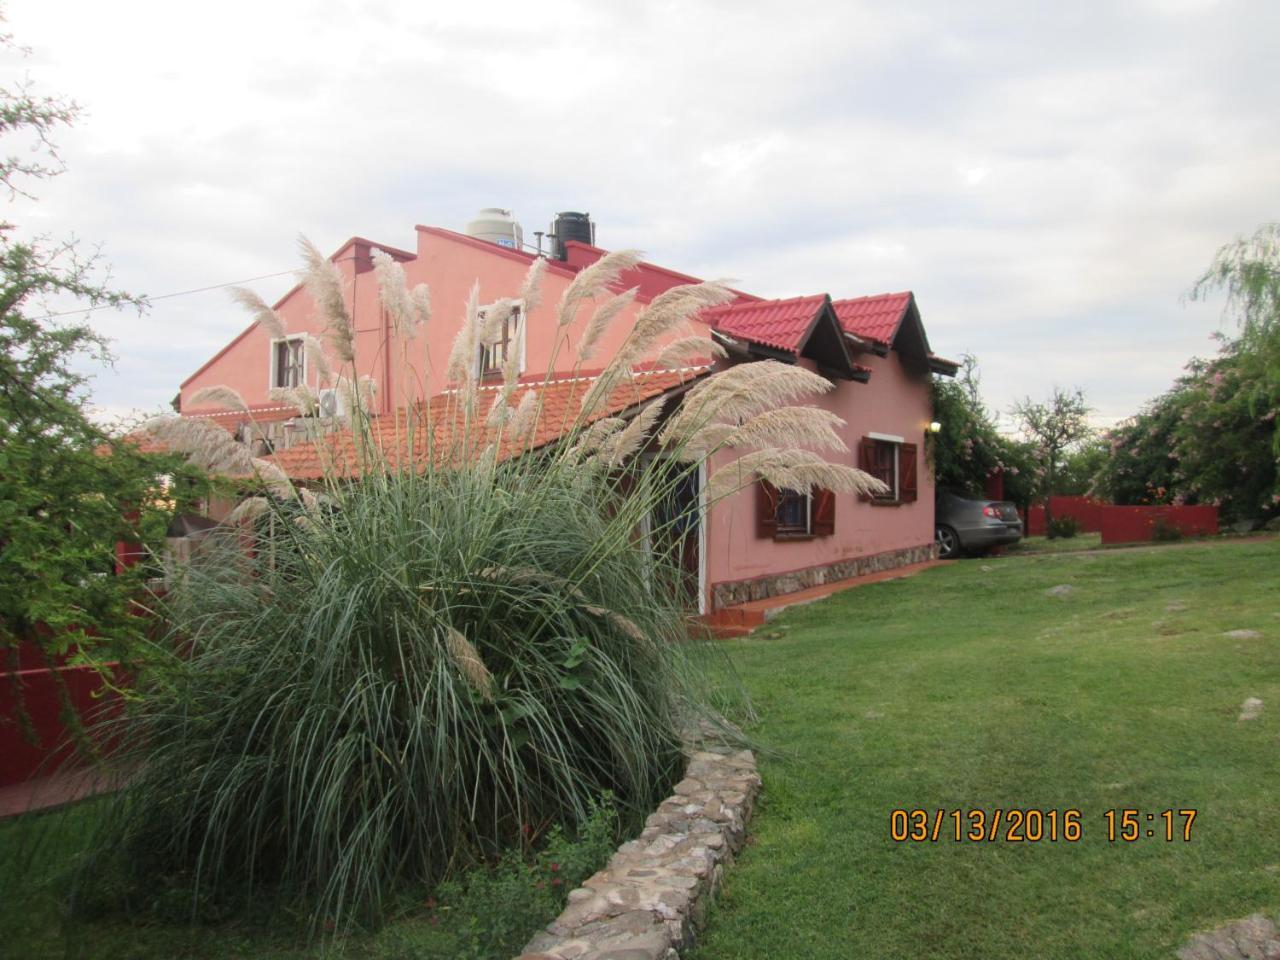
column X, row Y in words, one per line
column 781, row 324
column 873, row 318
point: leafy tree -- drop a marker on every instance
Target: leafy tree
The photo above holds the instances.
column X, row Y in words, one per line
column 1248, row 269
column 69, row 488
column 1213, row 438
column 1053, row 427
column 1081, row 465
column 969, row 448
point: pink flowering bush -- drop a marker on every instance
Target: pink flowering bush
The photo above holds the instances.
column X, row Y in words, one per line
column 1213, row 437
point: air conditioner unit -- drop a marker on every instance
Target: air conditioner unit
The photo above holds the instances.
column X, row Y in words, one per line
column 330, row 403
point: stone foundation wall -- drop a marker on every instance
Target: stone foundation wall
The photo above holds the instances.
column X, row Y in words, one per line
column 651, row 899
column 731, row 593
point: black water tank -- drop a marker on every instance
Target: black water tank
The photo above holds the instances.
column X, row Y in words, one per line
column 571, row 226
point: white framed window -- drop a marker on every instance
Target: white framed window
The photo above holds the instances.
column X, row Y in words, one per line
column 493, row 355
column 892, row 461
column 288, row 363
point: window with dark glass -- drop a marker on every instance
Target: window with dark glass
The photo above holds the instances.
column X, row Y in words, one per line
column 287, row 363
column 789, row 515
column 495, row 353
column 793, row 511
column 893, row 462
column 884, row 467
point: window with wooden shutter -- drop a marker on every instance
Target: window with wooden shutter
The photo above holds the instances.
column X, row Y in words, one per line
column 288, row 364
column 893, row 462
column 866, row 457
column 766, row 509
column 907, row 472
column 880, row 459
column 824, row 513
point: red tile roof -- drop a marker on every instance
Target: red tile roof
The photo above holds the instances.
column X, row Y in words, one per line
column 399, row 434
column 873, row 318
column 782, row 324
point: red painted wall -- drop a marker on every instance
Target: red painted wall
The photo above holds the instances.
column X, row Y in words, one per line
column 895, row 402
column 1086, row 510
column 995, row 485
column 1135, row 524
column 44, row 693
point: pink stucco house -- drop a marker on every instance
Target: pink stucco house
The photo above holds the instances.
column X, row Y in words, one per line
column 759, row 543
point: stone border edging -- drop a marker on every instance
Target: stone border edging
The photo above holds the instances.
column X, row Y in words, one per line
column 731, row 593
column 651, row 898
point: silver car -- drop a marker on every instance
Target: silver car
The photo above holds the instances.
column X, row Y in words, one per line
column 966, row 525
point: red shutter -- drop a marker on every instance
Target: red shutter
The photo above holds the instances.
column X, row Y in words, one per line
column 766, row 509
column 822, row 523
column 866, row 460
column 907, row 473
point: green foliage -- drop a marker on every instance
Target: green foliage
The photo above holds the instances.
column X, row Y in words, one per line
column 968, row 448
column 1126, row 681
column 1213, row 438
column 1248, row 270
column 430, row 671
column 69, row 488
column 1165, row 532
column 1081, row 465
column 487, row 912
column 1065, row 527
column 490, row 914
column 1053, row 428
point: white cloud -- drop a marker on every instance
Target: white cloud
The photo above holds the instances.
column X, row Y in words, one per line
column 1047, row 178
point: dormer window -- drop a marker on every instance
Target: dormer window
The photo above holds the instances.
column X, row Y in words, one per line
column 288, row 363
column 494, row 354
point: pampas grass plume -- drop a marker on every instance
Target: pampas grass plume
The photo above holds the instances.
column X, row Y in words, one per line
column 324, row 282
column 682, row 352
column 270, row 321
column 219, row 396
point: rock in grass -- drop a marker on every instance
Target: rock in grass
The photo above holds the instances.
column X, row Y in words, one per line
column 1061, row 590
column 1251, row 709
column 1252, row 937
column 1242, row 634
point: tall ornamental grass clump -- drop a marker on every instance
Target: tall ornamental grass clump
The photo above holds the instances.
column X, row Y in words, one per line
column 379, row 679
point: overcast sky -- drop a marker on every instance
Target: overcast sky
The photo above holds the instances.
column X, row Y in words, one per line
column 1048, row 177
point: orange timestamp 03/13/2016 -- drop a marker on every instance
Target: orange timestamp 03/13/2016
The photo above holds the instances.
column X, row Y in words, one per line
column 1035, row 825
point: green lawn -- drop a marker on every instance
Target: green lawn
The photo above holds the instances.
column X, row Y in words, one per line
column 1081, row 541
column 968, row 687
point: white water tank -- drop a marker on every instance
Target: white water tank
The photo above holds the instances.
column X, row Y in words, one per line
column 497, row 226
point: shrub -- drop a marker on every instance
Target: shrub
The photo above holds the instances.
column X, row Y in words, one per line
column 492, row 911
column 1064, row 527
column 441, row 663
column 1164, row 531
column 435, row 665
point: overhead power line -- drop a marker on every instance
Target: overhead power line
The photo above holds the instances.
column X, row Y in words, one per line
column 168, row 296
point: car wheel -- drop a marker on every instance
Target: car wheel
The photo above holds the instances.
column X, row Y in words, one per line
column 948, row 542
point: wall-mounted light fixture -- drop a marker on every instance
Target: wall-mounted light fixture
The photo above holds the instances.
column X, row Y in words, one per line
column 935, row 427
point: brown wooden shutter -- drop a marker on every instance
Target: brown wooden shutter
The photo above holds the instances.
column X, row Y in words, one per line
column 766, row 509
column 907, row 473
column 866, row 461
column 822, row 523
